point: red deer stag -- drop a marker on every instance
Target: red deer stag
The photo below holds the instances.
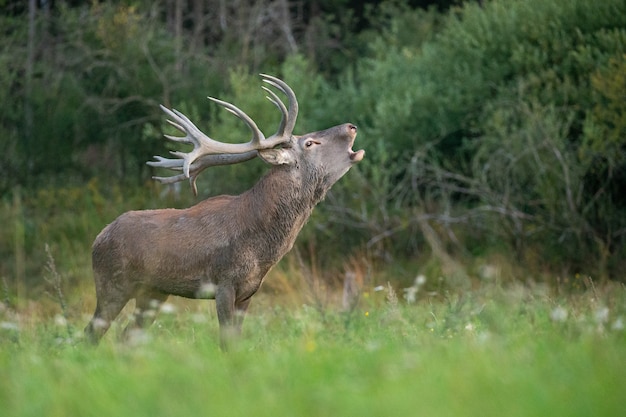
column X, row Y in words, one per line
column 222, row 247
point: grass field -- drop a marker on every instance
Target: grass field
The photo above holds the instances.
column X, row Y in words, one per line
column 494, row 351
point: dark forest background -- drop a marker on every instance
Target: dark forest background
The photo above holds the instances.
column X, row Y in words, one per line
column 493, row 129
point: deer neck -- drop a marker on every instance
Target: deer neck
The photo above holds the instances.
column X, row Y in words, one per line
column 286, row 193
column 281, row 203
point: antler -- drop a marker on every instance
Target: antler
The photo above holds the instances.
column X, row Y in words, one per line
column 209, row 152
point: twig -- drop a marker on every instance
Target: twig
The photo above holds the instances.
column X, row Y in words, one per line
column 5, row 292
column 56, row 280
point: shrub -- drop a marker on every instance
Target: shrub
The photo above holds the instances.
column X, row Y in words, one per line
column 487, row 125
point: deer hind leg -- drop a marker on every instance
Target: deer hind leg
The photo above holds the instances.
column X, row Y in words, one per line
column 107, row 309
column 147, row 303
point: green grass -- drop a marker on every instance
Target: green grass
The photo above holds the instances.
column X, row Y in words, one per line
column 491, row 352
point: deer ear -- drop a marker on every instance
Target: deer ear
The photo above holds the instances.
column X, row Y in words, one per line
column 277, row 156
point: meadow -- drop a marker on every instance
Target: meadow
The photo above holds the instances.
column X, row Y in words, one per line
column 494, row 141
column 495, row 350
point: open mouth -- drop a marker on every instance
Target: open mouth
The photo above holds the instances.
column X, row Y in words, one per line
column 356, row 156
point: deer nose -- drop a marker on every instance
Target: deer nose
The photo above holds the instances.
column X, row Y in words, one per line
column 351, row 129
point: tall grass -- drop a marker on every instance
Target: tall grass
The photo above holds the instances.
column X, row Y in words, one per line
column 502, row 348
column 495, row 351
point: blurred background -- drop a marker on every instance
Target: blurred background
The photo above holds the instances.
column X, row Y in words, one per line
column 495, row 131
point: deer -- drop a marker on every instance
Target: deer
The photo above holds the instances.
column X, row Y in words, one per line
column 223, row 247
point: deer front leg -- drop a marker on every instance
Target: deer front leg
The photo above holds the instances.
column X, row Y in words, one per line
column 225, row 304
column 147, row 305
column 240, row 312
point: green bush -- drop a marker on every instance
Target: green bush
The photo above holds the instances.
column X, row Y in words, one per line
column 486, row 126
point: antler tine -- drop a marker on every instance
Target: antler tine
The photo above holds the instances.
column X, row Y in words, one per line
column 165, row 163
column 208, row 152
column 184, row 125
column 197, row 167
column 181, row 177
column 290, row 116
column 204, row 145
column 257, row 135
column 281, row 106
column 192, row 135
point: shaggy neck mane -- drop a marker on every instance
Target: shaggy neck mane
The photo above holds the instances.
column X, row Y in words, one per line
column 280, row 203
column 284, row 190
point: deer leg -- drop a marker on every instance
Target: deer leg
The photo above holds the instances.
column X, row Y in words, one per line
column 147, row 305
column 106, row 312
column 225, row 304
column 240, row 313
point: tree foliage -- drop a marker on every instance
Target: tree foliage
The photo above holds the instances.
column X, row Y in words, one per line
column 495, row 117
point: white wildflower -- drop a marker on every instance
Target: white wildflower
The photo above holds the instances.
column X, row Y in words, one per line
column 420, row 280
column 601, row 315
column 410, row 294
column 99, row 323
column 137, row 337
column 618, row 324
column 8, row 325
column 207, row 291
column 488, row 272
column 60, row 320
column 168, row 308
column 559, row 314
column 147, row 313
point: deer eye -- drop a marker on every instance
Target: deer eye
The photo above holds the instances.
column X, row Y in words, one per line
column 310, row 143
